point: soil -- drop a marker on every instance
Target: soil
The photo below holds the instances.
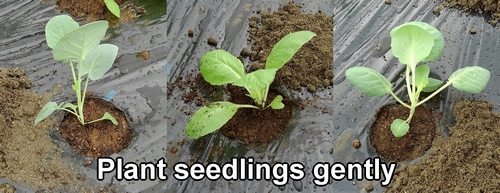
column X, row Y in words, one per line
column 27, row 154
column 466, row 161
column 491, row 7
column 312, row 65
column 254, row 125
column 94, row 10
column 413, row 144
column 98, row 139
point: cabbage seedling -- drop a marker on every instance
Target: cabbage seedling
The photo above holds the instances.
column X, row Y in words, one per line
column 412, row 43
column 113, row 7
column 79, row 44
column 219, row 67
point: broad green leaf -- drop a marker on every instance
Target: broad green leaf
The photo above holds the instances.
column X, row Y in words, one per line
column 421, row 76
column 210, row 118
column 368, row 81
column 438, row 47
column 284, row 50
column 113, row 7
column 98, row 61
column 79, row 42
column 219, row 67
column 433, row 85
column 399, row 128
column 48, row 109
column 411, row 44
column 259, row 78
column 472, row 79
column 57, row 27
column 276, row 103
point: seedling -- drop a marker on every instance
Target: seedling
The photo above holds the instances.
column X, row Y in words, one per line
column 73, row 43
column 219, row 67
column 113, row 7
column 412, row 43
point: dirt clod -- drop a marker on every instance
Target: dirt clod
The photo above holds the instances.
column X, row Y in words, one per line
column 356, row 144
column 212, row 42
column 144, row 55
column 190, row 33
column 491, row 7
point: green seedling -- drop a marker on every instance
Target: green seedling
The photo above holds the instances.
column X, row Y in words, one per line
column 113, row 7
column 219, row 67
column 79, row 44
column 412, row 43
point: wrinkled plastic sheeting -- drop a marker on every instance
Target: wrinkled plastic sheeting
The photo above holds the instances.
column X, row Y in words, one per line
column 359, row 26
column 139, row 85
column 308, row 141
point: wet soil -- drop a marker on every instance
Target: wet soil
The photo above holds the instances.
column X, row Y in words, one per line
column 98, row 139
column 94, row 10
column 27, row 154
column 254, row 125
column 466, row 161
column 312, row 65
column 412, row 145
column 490, row 7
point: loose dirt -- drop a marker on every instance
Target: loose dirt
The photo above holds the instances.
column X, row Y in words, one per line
column 490, row 7
column 27, row 154
column 94, row 10
column 412, row 145
column 312, row 65
column 98, row 139
column 466, row 161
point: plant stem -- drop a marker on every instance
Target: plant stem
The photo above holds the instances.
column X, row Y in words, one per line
column 76, row 80
column 435, row 92
column 399, row 100
column 248, row 106
column 265, row 97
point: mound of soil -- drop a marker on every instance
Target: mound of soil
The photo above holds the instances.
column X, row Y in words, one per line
column 466, row 161
column 27, row 154
column 413, row 144
column 94, row 10
column 492, row 7
column 312, row 65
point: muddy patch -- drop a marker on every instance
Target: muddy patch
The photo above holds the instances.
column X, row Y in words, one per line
column 312, row 65
column 466, row 161
column 492, row 8
column 27, row 154
column 412, row 145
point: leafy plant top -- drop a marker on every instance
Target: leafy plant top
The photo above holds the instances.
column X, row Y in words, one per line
column 72, row 43
column 219, row 67
column 412, row 43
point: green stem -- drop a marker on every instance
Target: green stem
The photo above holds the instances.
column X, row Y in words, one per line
column 399, row 100
column 435, row 93
column 265, row 97
column 76, row 80
column 408, row 87
column 72, row 112
column 248, row 106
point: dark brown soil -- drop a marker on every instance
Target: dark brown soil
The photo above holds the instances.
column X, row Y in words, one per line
column 466, row 161
column 254, row 125
column 94, row 10
column 312, row 65
column 412, row 145
column 98, row 139
column 492, row 7
column 27, row 154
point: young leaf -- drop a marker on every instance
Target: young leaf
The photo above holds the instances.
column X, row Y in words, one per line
column 259, row 78
column 57, row 27
column 411, row 44
column 219, row 113
column 48, row 109
column 368, row 81
column 438, row 47
column 284, row 50
column 433, row 85
column 421, row 76
column 98, row 61
column 113, row 7
column 472, row 79
column 399, row 128
column 79, row 42
column 219, row 67
column 277, row 104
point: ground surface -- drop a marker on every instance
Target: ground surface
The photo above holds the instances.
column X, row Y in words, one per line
column 94, row 10
column 466, row 161
column 27, row 154
column 99, row 139
column 489, row 6
column 412, row 145
column 312, row 66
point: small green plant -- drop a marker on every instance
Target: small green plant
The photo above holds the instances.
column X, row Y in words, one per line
column 113, row 7
column 219, row 67
column 73, row 43
column 412, row 43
